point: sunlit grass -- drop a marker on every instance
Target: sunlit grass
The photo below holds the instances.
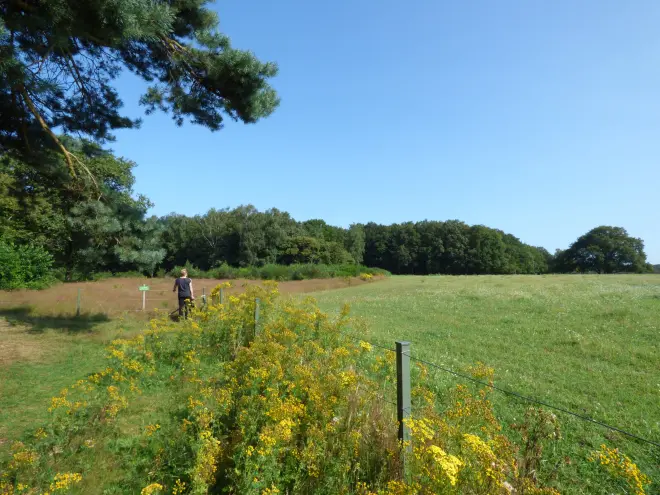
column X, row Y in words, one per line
column 586, row 343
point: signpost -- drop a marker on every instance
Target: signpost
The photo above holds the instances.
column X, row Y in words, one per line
column 144, row 289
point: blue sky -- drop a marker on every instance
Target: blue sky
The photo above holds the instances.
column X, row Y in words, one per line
column 538, row 118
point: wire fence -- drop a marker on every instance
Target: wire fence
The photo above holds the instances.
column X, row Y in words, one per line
column 511, row 393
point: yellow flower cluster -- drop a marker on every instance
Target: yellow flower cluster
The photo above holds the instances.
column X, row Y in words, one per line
column 21, row 456
column 151, row 429
column 152, row 489
column 620, row 466
column 64, row 481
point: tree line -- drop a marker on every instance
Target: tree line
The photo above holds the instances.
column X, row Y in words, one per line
column 95, row 223
column 67, row 205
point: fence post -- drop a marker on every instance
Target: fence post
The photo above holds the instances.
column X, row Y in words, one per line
column 403, row 403
column 78, row 303
column 204, row 296
column 144, row 300
column 222, row 295
column 257, row 302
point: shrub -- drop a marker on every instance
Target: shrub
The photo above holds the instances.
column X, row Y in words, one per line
column 281, row 272
column 24, row 267
column 224, row 271
column 275, row 272
column 193, row 271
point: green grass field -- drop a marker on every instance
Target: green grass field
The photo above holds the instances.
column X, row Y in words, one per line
column 41, row 355
column 585, row 343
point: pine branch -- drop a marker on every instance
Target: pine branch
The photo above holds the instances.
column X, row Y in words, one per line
column 68, row 156
column 33, row 109
column 78, row 78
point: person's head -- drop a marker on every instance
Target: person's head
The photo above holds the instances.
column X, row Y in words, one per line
column 184, row 273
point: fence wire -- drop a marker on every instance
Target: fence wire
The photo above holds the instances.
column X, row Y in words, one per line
column 534, row 401
column 512, row 393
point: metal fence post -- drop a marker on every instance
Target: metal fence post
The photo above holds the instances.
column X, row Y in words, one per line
column 403, row 403
column 78, row 303
column 256, row 315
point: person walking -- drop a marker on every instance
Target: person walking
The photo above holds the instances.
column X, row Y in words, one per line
column 186, row 294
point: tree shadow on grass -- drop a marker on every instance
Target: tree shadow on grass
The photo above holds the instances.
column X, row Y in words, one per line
column 25, row 316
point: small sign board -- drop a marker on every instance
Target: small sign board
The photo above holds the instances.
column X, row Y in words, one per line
column 144, row 287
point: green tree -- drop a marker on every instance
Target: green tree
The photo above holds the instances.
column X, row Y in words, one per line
column 23, row 266
column 300, row 249
column 141, row 246
column 486, row 253
column 431, row 247
column 606, row 249
column 85, row 228
column 60, row 58
column 354, row 242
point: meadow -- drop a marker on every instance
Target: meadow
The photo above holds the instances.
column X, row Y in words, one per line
column 585, row 343
column 45, row 347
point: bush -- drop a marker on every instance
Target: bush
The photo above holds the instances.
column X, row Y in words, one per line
column 224, row 271
column 281, row 272
column 25, row 267
column 193, row 271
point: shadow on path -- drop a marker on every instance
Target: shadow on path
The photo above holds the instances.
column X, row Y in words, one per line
column 24, row 315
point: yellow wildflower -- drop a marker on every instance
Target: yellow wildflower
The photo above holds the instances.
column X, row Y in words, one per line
column 64, row 481
column 449, row 464
column 151, row 429
column 620, row 466
column 152, row 488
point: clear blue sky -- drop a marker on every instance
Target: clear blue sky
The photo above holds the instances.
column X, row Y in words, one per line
column 540, row 118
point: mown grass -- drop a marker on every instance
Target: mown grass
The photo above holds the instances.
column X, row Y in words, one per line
column 39, row 355
column 586, row 343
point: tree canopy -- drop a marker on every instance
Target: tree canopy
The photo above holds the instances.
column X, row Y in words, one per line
column 604, row 249
column 84, row 230
column 60, row 58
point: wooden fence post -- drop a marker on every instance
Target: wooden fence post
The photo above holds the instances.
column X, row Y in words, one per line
column 257, row 302
column 78, row 303
column 403, row 402
column 204, row 296
column 222, row 295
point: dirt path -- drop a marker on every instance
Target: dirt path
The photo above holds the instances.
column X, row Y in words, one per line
column 119, row 295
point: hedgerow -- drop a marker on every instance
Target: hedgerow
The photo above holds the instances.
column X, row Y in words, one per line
column 280, row 272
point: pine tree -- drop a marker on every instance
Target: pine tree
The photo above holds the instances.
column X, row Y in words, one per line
column 59, row 59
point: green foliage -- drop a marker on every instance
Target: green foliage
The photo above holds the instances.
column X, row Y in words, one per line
column 59, row 60
column 87, row 225
column 450, row 247
column 24, row 267
column 604, row 250
column 273, row 271
column 354, row 242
